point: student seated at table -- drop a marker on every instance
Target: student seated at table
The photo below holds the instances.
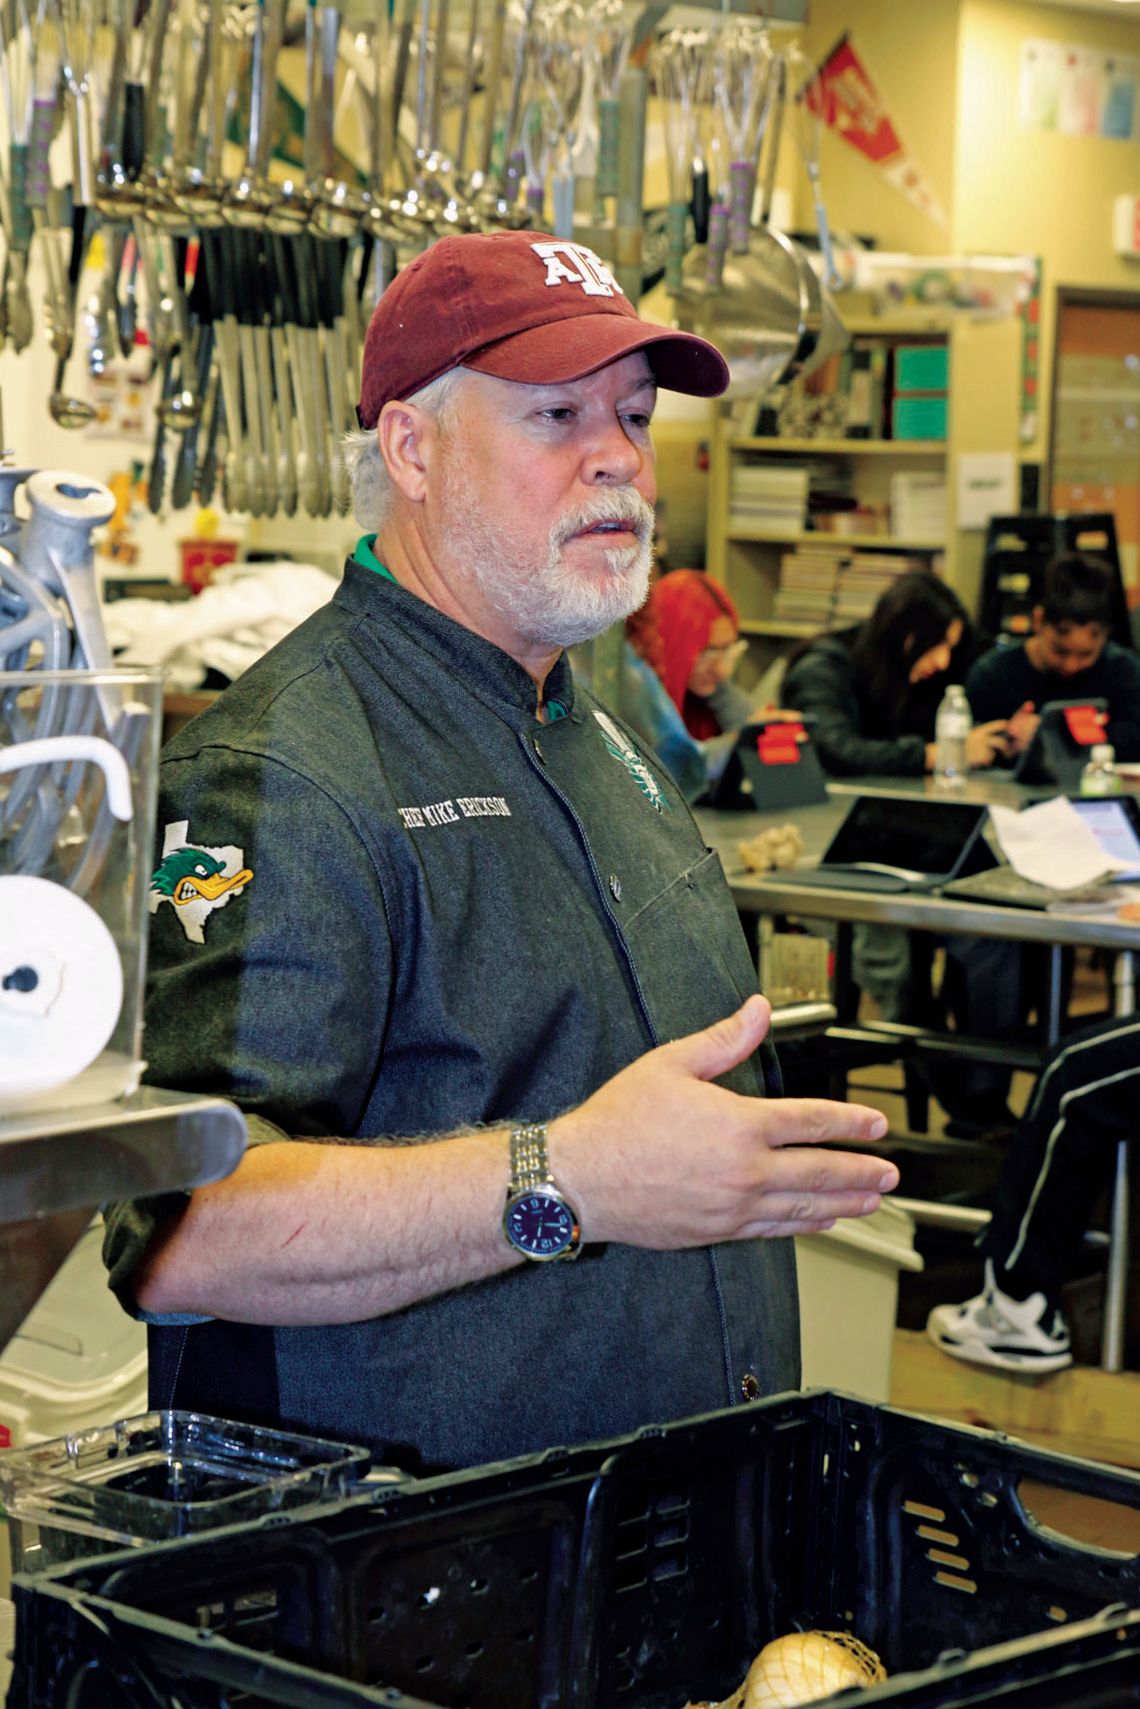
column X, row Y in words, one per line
column 1053, row 1173
column 1069, row 656
column 872, row 691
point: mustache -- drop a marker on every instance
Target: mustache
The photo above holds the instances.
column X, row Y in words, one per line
column 618, row 504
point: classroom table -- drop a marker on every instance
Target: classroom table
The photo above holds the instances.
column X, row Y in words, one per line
column 769, row 894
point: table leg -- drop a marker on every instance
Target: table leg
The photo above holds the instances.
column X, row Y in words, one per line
column 846, row 993
column 1054, row 993
column 1116, row 1274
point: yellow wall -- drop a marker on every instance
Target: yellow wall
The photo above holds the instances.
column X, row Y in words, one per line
column 1033, row 191
column 910, row 50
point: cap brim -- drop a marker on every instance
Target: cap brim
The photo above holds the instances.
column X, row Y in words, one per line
column 571, row 348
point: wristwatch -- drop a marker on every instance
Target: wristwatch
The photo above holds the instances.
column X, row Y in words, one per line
column 537, row 1220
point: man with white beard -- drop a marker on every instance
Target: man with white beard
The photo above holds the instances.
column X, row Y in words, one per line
column 429, row 913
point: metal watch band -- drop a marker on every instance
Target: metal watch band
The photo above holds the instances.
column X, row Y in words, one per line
column 530, row 1160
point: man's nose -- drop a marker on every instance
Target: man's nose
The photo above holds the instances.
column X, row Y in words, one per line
column 613, row 457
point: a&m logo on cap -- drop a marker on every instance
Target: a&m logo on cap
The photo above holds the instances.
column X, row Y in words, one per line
column 574, row 264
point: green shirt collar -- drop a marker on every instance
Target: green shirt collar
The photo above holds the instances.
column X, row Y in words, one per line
column 364, row 554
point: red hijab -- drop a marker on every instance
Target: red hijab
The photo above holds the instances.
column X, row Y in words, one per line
column 680, row 611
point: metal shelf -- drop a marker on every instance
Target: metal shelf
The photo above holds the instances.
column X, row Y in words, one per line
column 57, row 1167
column 817, row 537
column 840, row 447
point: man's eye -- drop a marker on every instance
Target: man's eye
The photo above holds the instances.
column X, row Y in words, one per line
column 639, row 419
column 559, row 412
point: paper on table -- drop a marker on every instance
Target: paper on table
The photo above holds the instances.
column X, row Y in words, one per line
column 1052, row 845
column 1108, row 899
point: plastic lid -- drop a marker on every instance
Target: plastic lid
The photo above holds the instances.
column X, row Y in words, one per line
column 1103, row 753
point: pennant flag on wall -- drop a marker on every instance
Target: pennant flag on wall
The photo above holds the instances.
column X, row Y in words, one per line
column 844, row 95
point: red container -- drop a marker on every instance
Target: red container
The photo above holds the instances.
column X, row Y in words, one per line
column 200, row 558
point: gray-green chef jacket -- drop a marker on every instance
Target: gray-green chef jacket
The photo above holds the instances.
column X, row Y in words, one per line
column 447, row 913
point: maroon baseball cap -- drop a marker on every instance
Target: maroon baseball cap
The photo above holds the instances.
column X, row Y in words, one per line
column 522, row 306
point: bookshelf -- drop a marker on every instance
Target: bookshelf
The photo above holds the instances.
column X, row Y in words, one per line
column 815, row 503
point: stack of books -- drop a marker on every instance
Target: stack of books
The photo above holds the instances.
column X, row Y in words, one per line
column 808, row 579
column 770, row 496
column 918, row 505
column 863, row 579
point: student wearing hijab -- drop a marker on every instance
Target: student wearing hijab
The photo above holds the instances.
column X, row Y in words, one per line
column 689, row 631
column 681, row 648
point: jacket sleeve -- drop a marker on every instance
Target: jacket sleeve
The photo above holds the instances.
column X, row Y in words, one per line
column 730, row 706
column 1124, row 706
column 647, row 707
column 277, row 995
column 988, row 690
column 274, row 993
column 822, row 687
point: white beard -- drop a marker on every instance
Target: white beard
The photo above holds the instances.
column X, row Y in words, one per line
column 551, row 604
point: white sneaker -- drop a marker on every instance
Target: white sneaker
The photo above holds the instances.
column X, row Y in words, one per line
column 993, row 1329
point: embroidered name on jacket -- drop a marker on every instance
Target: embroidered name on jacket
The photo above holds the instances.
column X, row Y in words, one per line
column 450, row 812
column 623, row 749
column 195, row 880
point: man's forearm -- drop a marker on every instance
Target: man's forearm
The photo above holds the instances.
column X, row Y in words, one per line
column 308, row 1234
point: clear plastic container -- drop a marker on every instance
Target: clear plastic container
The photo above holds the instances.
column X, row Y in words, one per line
column 78, row 778
column 163, row 1475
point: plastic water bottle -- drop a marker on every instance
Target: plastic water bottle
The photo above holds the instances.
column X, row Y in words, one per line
column 952, row 727
column 1100, row 776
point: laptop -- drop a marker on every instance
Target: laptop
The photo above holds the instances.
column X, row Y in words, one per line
column 773, row 765
column 1067, row 733
column 900, row 842
column 1115, row 823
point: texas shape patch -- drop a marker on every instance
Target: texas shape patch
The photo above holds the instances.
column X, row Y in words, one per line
column 196, row 880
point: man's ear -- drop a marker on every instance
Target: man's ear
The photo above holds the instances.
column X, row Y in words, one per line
column 407, row 436
column 1038, row 619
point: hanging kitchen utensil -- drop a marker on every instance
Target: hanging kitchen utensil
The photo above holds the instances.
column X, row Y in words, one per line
column 769, row 315
column 808, row 131
column 675, row 65
column 611, row 25
column 742, row 65
column 565, row 64
column 514, row 161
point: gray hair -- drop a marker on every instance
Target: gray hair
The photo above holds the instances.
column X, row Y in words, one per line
column 368, row 479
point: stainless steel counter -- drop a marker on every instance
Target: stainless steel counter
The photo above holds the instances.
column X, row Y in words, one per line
column 57, row 1168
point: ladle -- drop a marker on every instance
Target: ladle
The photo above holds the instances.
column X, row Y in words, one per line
column 67, row 411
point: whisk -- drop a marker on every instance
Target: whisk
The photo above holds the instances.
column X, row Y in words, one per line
column 742, row 61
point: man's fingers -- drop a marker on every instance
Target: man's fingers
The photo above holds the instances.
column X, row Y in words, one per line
column 726, row 1043
column 810, row 1121
column 810, row 1172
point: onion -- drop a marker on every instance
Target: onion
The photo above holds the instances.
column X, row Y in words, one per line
column 802, row 1667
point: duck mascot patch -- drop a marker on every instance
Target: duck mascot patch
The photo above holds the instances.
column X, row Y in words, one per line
column 196, row 880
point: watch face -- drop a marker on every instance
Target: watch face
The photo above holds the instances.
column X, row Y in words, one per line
column 540, row 1226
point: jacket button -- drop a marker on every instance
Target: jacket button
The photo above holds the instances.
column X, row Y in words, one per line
column 615, row 886
column 749, row 1386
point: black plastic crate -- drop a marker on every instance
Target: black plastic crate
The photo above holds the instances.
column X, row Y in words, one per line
column 627, row 1575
